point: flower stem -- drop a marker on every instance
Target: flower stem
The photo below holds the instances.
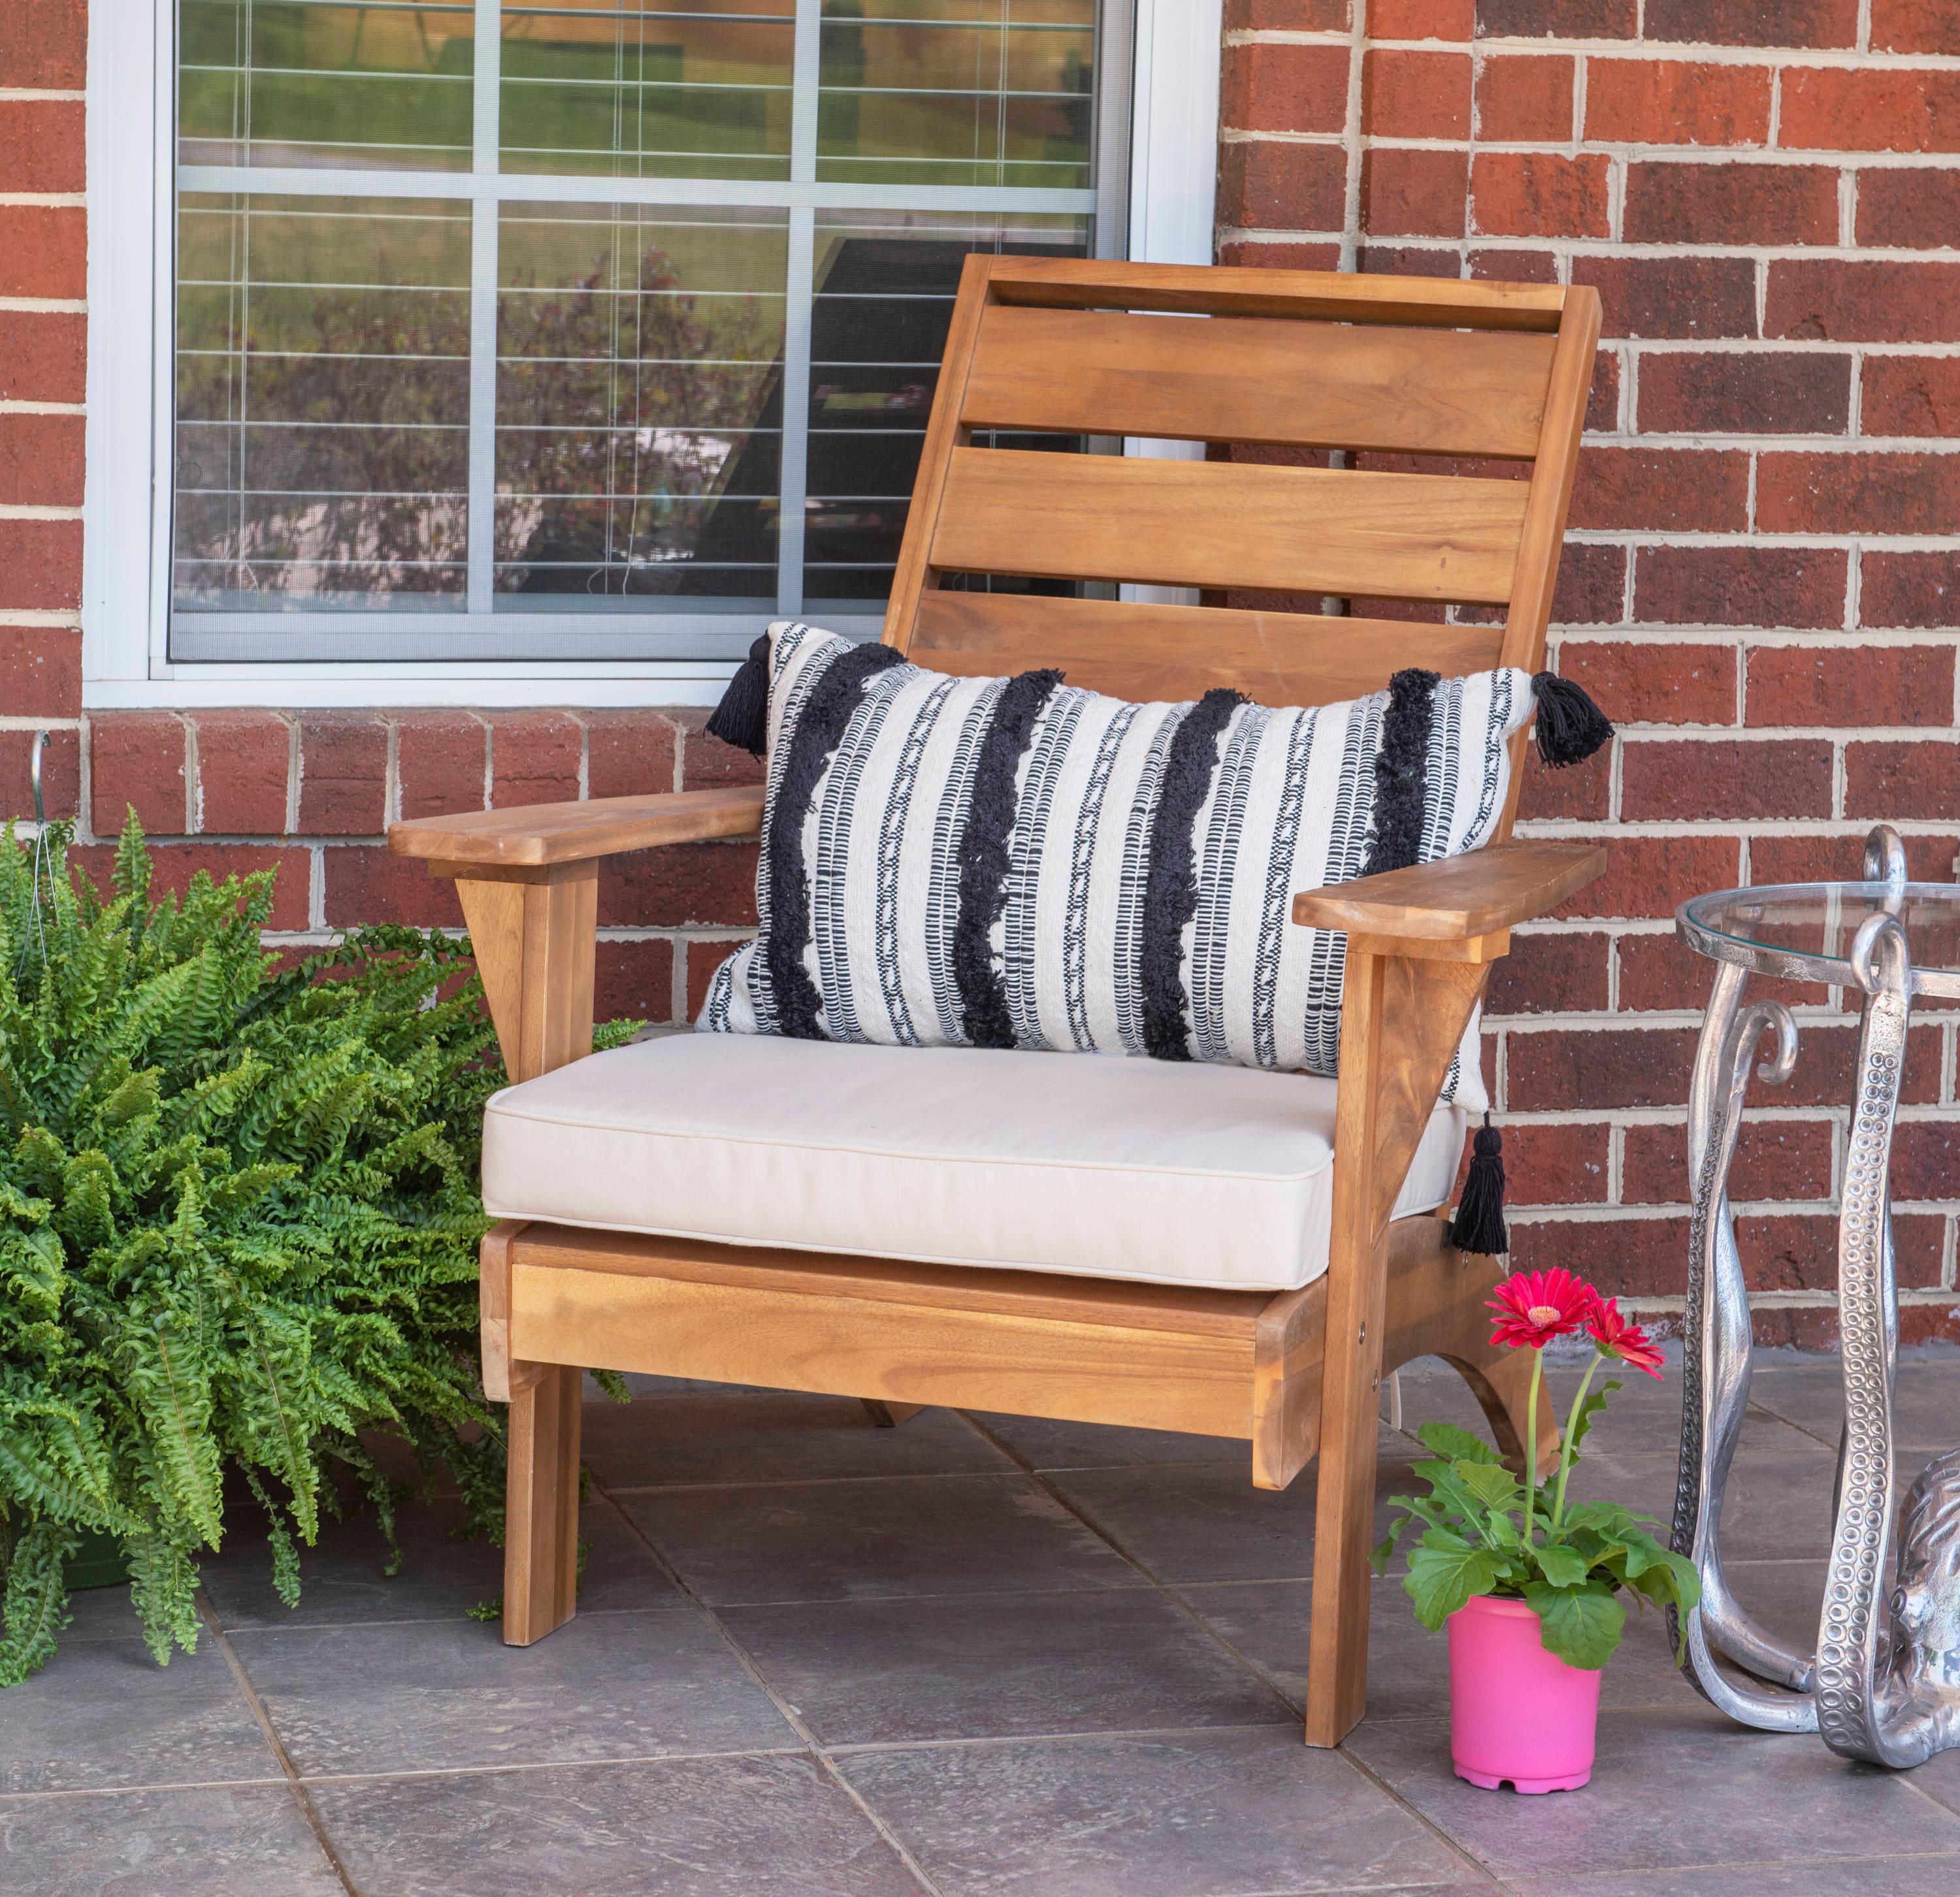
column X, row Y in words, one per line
column 1531, row 1446
column 1571, row 1437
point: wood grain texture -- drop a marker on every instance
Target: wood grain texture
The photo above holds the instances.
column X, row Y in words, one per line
column 534, row 835
column 1259, row 380
column 1435, row 1301
column 1544, row 531
column 493, row 1282
column 1113, row 1302
column 1097, row 517
column 535, row 944
column 1573, row 357
column 682, row 1309
column 943, row 434
column 1459, row 897
column 541, row 1505
column 1147, row 651
column 1323, row 295
column 1289, row 1353
column 1401, row 1021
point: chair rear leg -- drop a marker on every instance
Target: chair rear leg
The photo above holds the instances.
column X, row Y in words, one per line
column 541, row 1501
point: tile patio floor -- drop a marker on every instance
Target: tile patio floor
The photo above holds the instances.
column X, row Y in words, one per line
column 978, row 1656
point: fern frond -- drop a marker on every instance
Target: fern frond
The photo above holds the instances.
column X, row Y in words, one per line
column 35, row 1608
column 238, row 1226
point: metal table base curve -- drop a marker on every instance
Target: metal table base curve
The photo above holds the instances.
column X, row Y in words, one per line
column 1883, row 1683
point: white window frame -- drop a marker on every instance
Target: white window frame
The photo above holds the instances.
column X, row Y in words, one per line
column 1172, row 182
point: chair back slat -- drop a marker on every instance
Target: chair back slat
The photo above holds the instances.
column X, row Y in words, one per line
column 1149, row 650
column 1373, row 386
column 1106, row 516
column 1326, row 296
column 1296, row 364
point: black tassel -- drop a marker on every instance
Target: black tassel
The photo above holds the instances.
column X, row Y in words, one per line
column 742, row 717
column 1570, row 727
column 1479, row 1224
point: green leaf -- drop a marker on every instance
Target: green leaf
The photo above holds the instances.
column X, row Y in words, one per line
column 1444, row 1571
column 1456, row 1445
column 1580, row 1624
column 1491, row 1483
column 1667, row 1578
column 1562, row 1566
column 1609, row 1518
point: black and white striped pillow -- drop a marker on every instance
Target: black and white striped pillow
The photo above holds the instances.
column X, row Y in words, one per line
column 1020, row 863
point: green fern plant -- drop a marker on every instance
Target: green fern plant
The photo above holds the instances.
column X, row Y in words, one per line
column 238, row 1227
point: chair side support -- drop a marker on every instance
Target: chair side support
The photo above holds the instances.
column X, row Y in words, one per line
column 535, row 933
column 1417, row 962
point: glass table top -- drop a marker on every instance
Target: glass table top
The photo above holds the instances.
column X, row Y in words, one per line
column 1804, row 929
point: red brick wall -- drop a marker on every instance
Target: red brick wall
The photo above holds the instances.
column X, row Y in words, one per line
column 1756, row 584
column 1759, row 581
column 313, row 791
column 43, row 283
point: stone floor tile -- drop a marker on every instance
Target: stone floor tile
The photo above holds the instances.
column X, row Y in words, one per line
column 344, row 1581
column 241, row 1840
column 714, row 1434
column 1810, row 1395
column 685, row 1828
column 100, row 1613
column 1940, row 1778
column 1047, row 1443
column 436, row 1695
column 1837, row 1877
column 102, row 1713
column 883, row 1671
column 1200, row 1522
column 875, row 1539
column 1672, row 1789
column 1222, row 1814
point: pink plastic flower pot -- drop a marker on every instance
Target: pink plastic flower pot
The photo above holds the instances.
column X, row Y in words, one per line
column 1517, row 1712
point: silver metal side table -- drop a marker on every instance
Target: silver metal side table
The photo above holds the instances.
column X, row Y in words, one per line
column 1884, row 1683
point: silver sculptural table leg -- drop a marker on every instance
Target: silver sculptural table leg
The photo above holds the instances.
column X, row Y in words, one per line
column 1716, row 1368
column 1884, row 1684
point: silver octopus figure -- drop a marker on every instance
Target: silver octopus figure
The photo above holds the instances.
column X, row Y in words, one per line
column 1883, row 1683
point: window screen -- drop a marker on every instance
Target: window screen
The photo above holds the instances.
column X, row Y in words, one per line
column 598, row 329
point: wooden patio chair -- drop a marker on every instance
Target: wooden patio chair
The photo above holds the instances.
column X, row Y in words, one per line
column 1467, row 373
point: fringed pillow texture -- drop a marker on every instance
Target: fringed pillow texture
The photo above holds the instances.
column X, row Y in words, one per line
column 1020, row 863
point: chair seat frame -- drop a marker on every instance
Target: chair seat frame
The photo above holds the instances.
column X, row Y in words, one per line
column 1295, row 1373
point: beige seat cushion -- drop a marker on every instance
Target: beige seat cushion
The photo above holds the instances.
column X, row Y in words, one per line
column 1096, row 1165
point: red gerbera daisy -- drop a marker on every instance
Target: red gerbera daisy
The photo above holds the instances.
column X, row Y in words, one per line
column 1533, row 1307
column 1617, row 1338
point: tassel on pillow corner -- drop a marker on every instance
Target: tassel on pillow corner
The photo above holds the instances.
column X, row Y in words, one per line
column 742, row 718
column 1570, row 727
column 1479, row 1224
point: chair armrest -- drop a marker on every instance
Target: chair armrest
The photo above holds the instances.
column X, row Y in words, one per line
column 1459, row 899
column 537, row 836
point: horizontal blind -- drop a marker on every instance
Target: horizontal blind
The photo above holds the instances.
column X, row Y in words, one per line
column 597, row 329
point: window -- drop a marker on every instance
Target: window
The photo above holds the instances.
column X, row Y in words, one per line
column 593, row 330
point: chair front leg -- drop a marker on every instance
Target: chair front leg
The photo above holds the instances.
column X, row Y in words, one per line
column 534, row 932
column 1401, row 1020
